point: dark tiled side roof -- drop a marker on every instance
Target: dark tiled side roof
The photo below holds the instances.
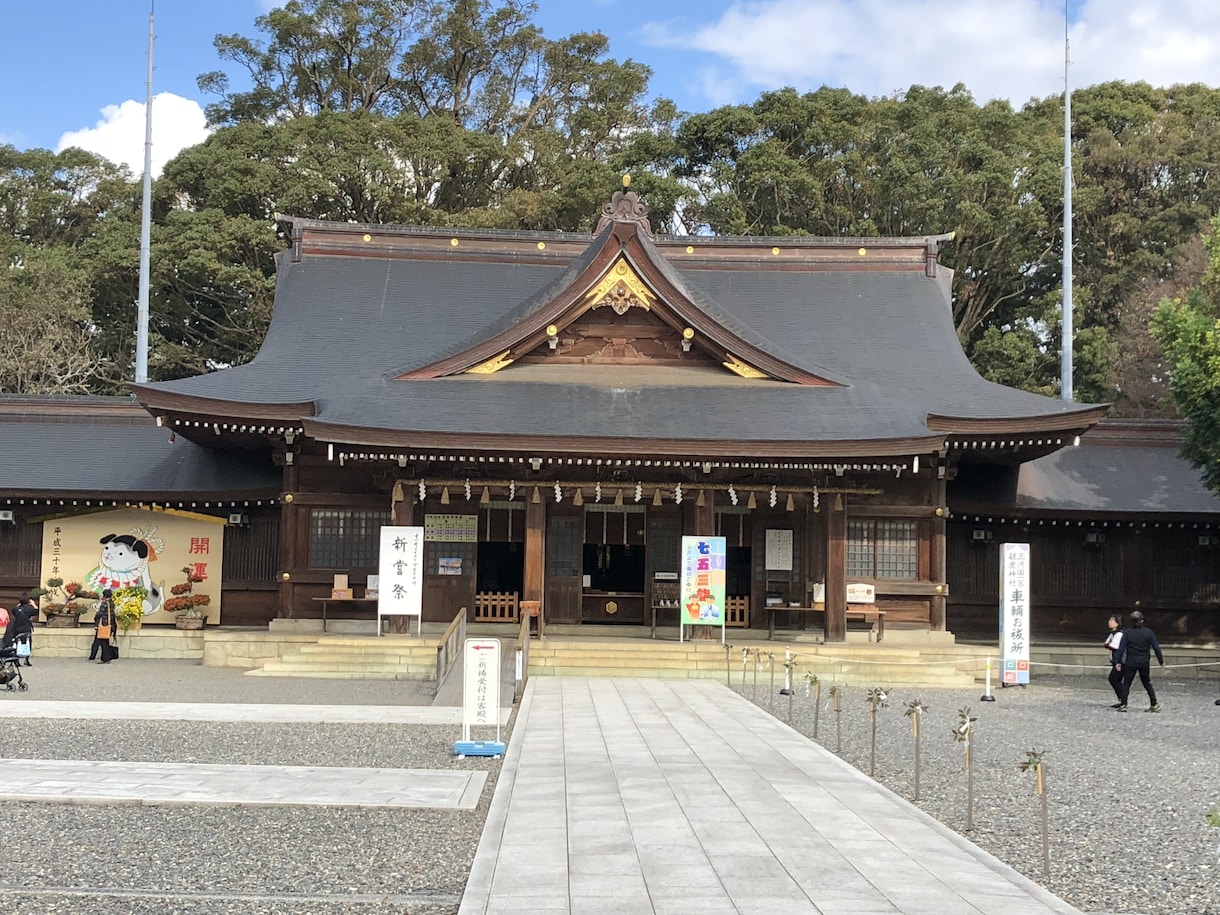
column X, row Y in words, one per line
column 122, row 456
column 1140, row 477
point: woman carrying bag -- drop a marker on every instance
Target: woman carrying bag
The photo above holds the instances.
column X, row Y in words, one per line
column 103, row 622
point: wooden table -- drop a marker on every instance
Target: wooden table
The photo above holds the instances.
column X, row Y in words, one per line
column 863, row 614
column 327, row 601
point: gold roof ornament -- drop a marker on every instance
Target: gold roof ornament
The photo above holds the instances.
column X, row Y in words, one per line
column 491, row 366
column 621, row 288
column 738, row 367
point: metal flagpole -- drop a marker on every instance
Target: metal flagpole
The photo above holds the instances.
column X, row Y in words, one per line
column 1065, row 367
column 145, row 223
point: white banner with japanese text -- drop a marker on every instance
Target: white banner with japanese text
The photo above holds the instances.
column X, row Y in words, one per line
column 1014, row 612
column 400, row 572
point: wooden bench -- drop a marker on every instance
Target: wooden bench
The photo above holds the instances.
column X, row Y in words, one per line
column 346, row 603
column 874, row 618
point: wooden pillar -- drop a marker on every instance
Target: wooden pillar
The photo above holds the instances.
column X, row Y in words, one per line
column 836, row 570
column 535, row 550
column 936, row 613
column 290, row 562
column 705, row 515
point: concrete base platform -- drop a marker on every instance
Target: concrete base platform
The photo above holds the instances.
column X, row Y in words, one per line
column 650, row 796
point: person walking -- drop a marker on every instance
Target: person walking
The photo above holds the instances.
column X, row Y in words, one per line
column 20, row 628
column 1141, row 645
column 103, row 628
column 1116, row 642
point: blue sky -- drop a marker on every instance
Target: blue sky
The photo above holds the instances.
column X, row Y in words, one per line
column 74, row 70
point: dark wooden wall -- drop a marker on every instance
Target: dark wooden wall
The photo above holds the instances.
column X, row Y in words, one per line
column 1163, row 571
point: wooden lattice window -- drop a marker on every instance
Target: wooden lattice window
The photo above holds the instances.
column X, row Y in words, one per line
column 345, row 539
column 882, row 549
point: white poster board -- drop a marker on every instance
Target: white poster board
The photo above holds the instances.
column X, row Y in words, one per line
column 779, row 550
column 481, row 685
column 400, row 573
column 1014, row 612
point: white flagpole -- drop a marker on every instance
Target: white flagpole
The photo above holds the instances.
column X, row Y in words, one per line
column 145, row 223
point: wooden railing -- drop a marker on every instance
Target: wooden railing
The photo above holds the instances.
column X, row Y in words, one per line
column 523, row 652
column 496, row 607
column 737, row 611
column 451, row 645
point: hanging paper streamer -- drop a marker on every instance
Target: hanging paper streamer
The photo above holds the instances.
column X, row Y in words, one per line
column 597, row 492
column 733, row 494
column 639, row 492
column 467, row 490
column 771, row 498
column 512, row 490
column 558, row 492
column 815, row 497
column 678, row 494
column 423, row 491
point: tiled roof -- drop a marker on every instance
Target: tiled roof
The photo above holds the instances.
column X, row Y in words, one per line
column 111, row 446
column 345, row 325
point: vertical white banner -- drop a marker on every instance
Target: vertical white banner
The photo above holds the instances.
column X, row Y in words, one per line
column 400, row 567
column 1014, row 612
column 481, row 685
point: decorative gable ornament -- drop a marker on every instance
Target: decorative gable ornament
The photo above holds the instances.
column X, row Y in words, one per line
column 621, row 288
column 625, row 206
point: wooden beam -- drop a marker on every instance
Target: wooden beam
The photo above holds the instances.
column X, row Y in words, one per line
column 289, row 559
column 836, row 570
column 535, row 550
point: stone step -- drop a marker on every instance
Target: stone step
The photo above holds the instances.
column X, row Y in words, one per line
column 425, row 652
column 269, row 671
column 292, row 667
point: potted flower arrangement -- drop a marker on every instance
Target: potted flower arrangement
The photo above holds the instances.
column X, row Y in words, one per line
column 129, row 607
column 185, row 605
column 65, row 603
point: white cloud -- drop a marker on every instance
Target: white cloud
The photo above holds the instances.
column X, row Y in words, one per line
column 119, row 136
column 998, row 48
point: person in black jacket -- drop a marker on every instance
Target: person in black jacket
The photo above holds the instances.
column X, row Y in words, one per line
column 20, row 626
column 1116, row 641
column 103, row 628
column 1141, row 644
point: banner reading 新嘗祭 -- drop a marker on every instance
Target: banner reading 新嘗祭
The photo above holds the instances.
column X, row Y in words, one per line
column 703, row 581
column 1014, row 612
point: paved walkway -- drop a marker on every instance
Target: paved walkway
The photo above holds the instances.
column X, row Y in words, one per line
column 80, row 781
column 265, row 714
column 77, row 781
column 649, row 796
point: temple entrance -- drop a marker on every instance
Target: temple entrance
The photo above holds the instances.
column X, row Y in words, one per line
column 614, row 564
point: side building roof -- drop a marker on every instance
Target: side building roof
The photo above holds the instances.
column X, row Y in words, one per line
column 110, row 448
column 1121, row 468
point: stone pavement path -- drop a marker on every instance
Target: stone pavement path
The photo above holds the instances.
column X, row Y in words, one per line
column 646, row 796
column 79, row 781
column 159, row 784
column 262, row 714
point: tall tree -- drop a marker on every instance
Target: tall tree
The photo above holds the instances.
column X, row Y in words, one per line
column 1188, row 328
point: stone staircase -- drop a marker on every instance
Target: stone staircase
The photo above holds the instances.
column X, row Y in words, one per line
column 931, row 662
column 847, row 664
column 355, row 658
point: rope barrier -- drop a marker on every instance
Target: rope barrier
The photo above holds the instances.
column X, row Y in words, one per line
column 961, row 662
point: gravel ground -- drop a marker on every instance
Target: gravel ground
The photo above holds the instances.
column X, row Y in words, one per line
column 1127, row 793
column 111, row 858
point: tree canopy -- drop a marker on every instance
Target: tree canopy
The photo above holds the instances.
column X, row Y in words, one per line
column 1188, row 328
column 462, row 113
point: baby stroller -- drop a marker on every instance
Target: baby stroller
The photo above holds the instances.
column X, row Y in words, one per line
column 10, row 666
